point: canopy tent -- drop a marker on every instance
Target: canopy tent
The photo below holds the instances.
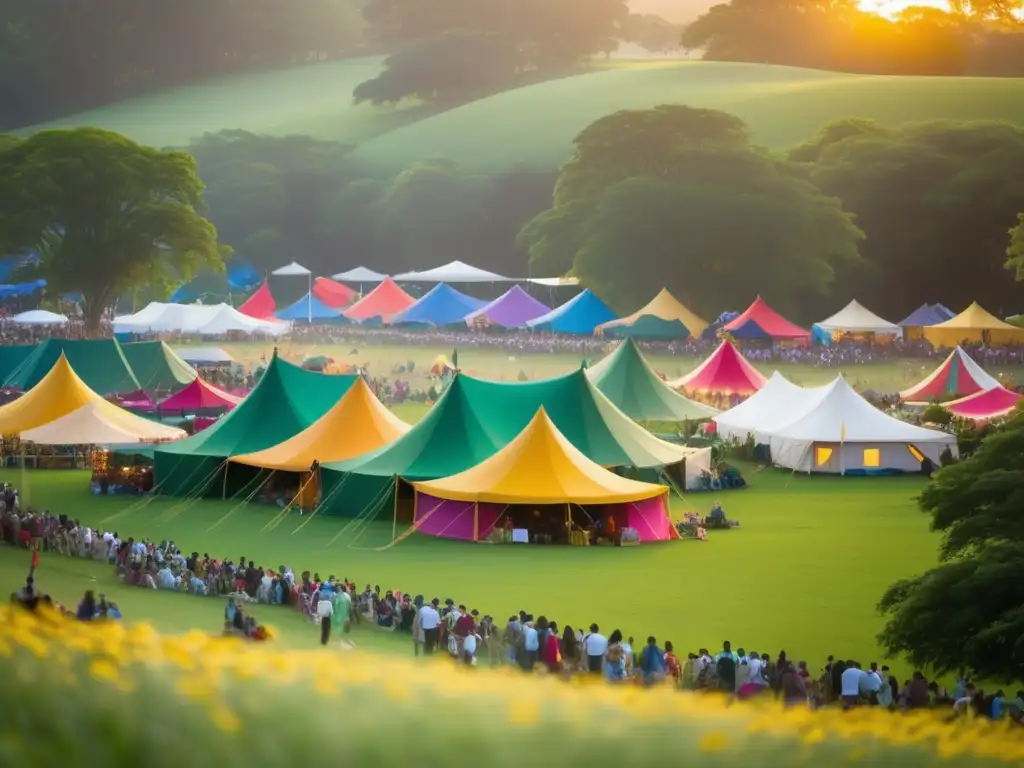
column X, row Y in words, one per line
column 100, row 363
column 195, row 319
column 357, row 424
column 38, row 317
column 334, row 295
column 261, row 304
column 927, row 314
column 12, row 357
column 957, row 375
column 513, row 309
column 310, row 309
column 578, row 317
column 778, row 400
column 441, row 305
column 538, row 467
column 61, row 410
column 724, row 372
column 205, row 355
column 663, row 318
column 762, row 322
column 856, row 319
column 382, row 302
column 453, row 272
column 984, row 406
column 198, row 396
column 627, row 379
column 842, row 433
column 286, row 400
column 238, row 277
column 974, row 325
column 360, row 275
column 157, row 366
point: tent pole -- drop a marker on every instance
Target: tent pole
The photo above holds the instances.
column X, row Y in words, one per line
column 309, row 300
column 224, row 489
column 476, row 521
column 394, row 519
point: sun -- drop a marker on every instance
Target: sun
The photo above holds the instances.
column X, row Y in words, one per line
column 890, row 9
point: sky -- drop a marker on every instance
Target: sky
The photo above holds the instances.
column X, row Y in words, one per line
column 682, row 11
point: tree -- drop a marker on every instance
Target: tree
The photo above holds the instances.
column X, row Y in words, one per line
column 651, row 32
column 1015, row 253
column 105, row 214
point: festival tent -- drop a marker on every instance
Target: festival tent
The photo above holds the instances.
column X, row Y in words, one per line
column 663, row 318
column 925, row 315
column 441, row 305
column 261, row 304
column 208, row 356
column 199, row 396
column 100, row 363
column 334, row 295
column 357, row 424
column 627, row 379
column 857, row 319
column 578, row 317
column 986, row 405
column 198, row 319
column 725, row 372
column 62, row 410
column 957, row 375
column 38, row 317
column 12, row 357
column 286, row 401
column 513, row 309
column 360, row 275
column 157, row 366
column 453, row 272
column 760, row 321
column 382, row 302
column 842, row 433
column 538, row 468
column 309, row 309
column 778, row 400
column 975, row 325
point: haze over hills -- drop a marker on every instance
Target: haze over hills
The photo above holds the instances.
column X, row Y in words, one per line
column 677, row 11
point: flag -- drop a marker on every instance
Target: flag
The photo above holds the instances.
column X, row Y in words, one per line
column 455, row 358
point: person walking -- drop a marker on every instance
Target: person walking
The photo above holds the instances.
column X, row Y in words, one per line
column 430, row 623
column 325, row 611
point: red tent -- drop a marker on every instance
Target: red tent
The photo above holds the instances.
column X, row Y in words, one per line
column 762, row 322
column 957, row 375
column 725, row 372
column 334, row 295
column 198, row 396
column 260, row 305
column 986, row 405
column 385, row 300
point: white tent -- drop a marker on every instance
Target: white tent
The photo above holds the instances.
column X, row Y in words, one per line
column 856, row 318
column 777, row 397
column 101, row 423
column 204, row 355
column 359, row 275
column 39, row 317
column 455, row 272
column 294, row 269
column 842, row 432
column 200, row 319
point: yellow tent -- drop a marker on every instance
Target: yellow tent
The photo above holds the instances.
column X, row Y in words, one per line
column 974, row 324
column 358, row 423
column 62, row 410
column 540, row 466
column 664, row 307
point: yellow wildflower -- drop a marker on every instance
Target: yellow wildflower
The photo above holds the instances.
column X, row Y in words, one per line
column 715, row 741
column 523, row 712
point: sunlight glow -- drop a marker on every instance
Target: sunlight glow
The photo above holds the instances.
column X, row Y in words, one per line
column 891, row 8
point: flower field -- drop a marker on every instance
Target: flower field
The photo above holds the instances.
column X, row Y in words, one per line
column 103, row 694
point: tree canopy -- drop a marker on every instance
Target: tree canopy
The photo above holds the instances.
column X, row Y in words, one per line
column 104, row 214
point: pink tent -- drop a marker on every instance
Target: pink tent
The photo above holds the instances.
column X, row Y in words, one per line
column 260, row 305
column 985, row 406
column 200, row 396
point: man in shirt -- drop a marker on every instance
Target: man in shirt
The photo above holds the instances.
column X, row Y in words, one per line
column 325, row 611
column 531, row 644
column 652, row 662
column 851, row 684
column 430, row 622
column 596, row 645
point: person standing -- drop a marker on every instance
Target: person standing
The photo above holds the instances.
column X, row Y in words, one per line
column 596, row 646
column 430, row 622
column 325, row 610
column 341, row 610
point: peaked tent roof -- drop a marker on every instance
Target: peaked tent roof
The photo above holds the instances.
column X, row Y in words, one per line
column 385, row 300
column 357, row 424
column 778, row 399
column 441, row 305
column 292, row 269
column 474, row 419
column 334, row 295
column 663, row 317
column 973, row 324
column 627, row 379
column 958, row 374
column 360, row 275
column 513, row 309
column 157, row 366
column 927, row 314
column 540, row 466
column 99, row 363
column 308, row 308
column 579, row 316
column 453, row 272
column 985, row 406
column 61, row 410
column 725, row 371
column 261, row 304
column 199, row 395
column 856, row 318
column 760, row 321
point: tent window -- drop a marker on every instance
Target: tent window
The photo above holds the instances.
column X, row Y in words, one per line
column 822, row 455
column 915, row 453
column 872, row 457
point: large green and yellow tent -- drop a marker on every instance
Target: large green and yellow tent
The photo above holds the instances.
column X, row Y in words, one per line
column 664, row 317
column 100, row 363
column 157, row 366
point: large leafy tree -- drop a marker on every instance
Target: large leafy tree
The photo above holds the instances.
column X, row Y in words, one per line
column 677, row 197
column 105, row 214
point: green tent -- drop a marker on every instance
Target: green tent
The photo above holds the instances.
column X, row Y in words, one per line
column 100, row 363
column 474, row 419
column 157, row 366
column 650, row 327
column 12, row 357
column 628, row 380
column 286, row 401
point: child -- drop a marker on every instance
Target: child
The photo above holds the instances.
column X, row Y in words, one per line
column 672, row 664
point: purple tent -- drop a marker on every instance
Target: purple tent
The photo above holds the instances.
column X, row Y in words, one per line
column 512, row 309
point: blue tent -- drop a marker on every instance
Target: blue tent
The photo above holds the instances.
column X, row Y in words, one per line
column 441, row 305
column 579, row 316
column 927, row 314
column 306, row 307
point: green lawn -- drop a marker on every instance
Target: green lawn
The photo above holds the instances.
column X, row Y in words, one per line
column 803, row 572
